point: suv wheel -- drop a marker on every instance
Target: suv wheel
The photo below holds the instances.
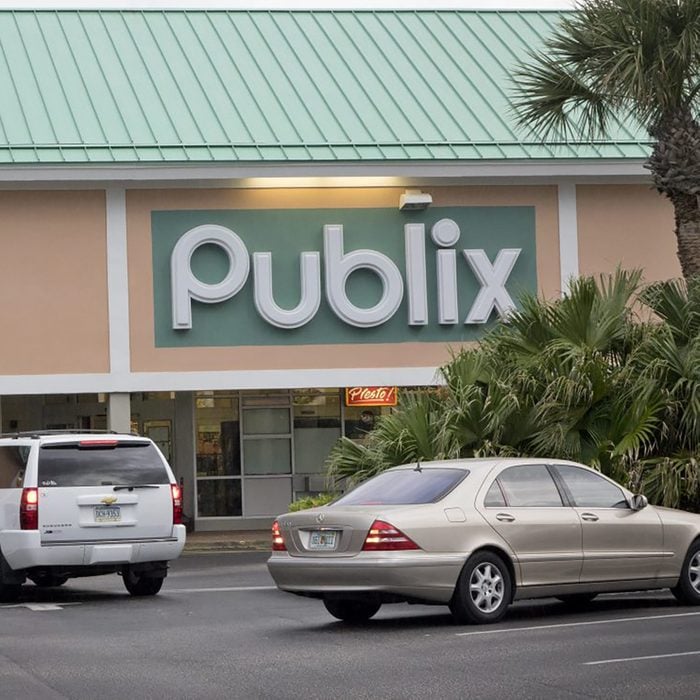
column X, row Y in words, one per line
column 140, row 585
column 9, row 592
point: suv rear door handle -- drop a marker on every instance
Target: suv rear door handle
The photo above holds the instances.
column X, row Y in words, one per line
column 590, row 517
column 505, row 517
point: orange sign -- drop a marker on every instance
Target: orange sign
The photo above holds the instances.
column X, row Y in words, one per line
column 371, row 396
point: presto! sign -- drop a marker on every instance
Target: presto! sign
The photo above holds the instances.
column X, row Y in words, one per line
column 330, row 276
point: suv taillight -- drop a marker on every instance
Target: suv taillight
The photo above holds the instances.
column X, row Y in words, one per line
column 176, row 493
column 278, row 544
column 29, row 509
column 383, row 537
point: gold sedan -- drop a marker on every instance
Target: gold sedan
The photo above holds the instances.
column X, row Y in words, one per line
column 477, row 534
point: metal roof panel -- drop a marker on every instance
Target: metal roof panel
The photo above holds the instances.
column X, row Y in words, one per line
column 101, row 86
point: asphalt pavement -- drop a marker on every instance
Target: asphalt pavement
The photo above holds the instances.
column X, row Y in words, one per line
column 220, row 629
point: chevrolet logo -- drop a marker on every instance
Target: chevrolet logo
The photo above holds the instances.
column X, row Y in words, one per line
column 108, row 500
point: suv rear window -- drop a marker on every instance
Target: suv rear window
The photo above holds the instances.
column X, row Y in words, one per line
column 131, row 463
column 405, row 487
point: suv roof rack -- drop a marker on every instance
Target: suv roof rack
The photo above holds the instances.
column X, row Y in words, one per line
column 64, row 431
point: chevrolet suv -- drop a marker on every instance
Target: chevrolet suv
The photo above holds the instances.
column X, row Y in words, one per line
column 78, row 504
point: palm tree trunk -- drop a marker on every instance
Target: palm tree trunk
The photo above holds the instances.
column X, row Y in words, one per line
column 675, row 167
column 688, row 233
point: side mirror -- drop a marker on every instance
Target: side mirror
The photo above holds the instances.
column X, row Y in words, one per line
column 638, row 502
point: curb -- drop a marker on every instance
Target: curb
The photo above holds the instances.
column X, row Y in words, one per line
column 227, row 546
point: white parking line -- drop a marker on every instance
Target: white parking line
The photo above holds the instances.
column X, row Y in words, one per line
column 40, row 607
column 576, row 624
column 218, row 590
column 641, row 658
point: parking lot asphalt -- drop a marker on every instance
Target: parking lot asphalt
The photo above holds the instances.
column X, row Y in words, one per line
column 220, row 629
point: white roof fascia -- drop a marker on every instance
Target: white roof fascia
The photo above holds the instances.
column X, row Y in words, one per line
column 267, row 174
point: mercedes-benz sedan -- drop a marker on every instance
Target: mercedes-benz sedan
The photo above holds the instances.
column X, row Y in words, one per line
column 477, row 534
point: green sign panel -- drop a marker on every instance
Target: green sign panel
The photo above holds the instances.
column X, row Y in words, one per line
column 328, row 276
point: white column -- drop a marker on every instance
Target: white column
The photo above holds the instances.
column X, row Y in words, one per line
column 568, row 235
column 119, row 413
column 117, row 282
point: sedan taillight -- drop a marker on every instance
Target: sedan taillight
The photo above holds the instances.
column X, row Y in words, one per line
column 176, row 493
column 29, row 509
column 278, row 544
column 383, row 537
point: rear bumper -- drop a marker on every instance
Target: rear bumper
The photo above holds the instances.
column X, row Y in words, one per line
column 430, row 577
column 23, row 549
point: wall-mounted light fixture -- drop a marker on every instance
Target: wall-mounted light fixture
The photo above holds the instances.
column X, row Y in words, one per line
column 413, row 200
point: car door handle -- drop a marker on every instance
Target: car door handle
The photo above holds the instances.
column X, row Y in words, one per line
column 590, row 517
column 505, row 518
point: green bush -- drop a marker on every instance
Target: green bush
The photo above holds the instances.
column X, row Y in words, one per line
column 312, row 501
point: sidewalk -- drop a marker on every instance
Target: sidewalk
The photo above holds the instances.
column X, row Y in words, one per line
column 228, row 541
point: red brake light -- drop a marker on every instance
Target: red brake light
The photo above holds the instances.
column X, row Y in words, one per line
column 383, row 537
column 98, row 443
column 176, row 493
column 29, row 509
column 278, row 544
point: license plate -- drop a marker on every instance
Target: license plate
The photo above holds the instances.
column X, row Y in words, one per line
column 108, row 514
column 323, row 539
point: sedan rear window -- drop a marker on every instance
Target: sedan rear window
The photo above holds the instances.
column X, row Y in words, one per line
column 130, row 463
column 405, row 487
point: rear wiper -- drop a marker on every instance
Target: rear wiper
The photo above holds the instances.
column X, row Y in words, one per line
column 125, row 487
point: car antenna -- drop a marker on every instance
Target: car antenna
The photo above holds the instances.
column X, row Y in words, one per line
column 418, row 468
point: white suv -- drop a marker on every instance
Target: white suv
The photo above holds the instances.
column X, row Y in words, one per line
column 83, row 504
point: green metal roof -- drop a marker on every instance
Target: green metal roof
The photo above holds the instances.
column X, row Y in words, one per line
column 178, row 86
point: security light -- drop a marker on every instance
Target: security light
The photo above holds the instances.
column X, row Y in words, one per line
column 412, row 200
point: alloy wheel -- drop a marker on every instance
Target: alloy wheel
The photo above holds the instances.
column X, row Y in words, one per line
column 486, row 587
column 694, row 572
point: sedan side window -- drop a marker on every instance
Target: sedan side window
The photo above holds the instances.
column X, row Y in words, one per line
column 494, row 497
column 590, row 490
column 529, row 485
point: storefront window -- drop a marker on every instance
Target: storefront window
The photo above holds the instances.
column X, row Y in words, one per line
column 218, row 497
column 266, row 421
column 272, row 456
column 218, row 441
column 218, row 454
column 316, row 430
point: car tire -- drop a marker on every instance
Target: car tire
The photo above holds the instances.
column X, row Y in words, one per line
column 48, row 581
column 687, row 590
column 484, row 590
column 9, row 592
column 577, row 599
column 142, row 585
column 353, row 611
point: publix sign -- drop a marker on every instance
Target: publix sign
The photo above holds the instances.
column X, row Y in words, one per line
column 324, row 276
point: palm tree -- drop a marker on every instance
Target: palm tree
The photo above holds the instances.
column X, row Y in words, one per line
column 636, row 59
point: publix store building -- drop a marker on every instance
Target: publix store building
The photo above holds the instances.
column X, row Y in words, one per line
column 237, row 231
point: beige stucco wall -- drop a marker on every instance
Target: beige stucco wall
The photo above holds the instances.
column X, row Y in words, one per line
column 627, row 225
column 146, row 357
column 53, row 277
